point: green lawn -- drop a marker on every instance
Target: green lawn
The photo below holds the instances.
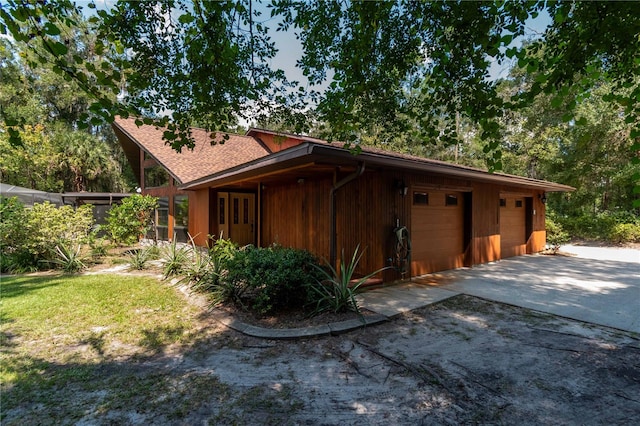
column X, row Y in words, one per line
column 63, row 337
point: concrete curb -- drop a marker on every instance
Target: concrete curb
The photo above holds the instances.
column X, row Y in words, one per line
column 333, row 329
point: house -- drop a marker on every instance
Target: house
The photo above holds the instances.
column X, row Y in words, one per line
column 267, row 187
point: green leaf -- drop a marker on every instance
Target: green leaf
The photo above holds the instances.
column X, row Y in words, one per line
column 556, row 101
column 187, row 18
column 58, row 48
column 507, row 39
column 51, row 29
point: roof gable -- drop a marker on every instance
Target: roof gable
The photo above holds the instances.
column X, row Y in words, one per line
column 203, row 160
column 279, row 141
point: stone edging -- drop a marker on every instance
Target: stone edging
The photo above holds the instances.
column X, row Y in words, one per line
column 333, row 329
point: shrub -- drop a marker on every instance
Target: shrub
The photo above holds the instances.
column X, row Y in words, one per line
column 99, row 247
column 618, row 227
column 199, row 272
column 29, row 236
column 132, row 218
column 272, row 278
column 625, row 233
column 556, row 236
column 335, row 291
column 13, row 234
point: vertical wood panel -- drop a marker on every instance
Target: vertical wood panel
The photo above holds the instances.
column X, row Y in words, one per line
column 538, row 238
column 367, row 211
column 199, row 216
column 485, row 236
column 297, row 215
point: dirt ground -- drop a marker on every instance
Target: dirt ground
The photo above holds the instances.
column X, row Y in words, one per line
column 462, row 361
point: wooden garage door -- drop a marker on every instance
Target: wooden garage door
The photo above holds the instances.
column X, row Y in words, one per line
column 512, row 226
column 437, row 231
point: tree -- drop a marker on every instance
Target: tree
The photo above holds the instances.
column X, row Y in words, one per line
column 209, row 61
column 540, row 142
column 87, row 164
column 131, row 219
column 34, row 165
column 53, row 156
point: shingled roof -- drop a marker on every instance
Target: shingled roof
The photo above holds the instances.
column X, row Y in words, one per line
column 203, row 160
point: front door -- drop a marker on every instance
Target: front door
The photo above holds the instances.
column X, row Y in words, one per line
column 242, row 218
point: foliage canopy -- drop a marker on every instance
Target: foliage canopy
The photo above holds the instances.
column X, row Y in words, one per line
column 401, row 66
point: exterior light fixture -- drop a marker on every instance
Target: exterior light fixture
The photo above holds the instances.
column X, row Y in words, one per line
column 543, row 197
column 402, row 187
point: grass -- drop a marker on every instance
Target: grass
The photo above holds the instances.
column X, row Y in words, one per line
column 71, row 309
column 64, row 338
column 98, row 349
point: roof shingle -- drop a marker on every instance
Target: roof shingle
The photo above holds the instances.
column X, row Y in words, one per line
column 203, row 160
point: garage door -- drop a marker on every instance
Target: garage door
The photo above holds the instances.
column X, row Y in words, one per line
column 513, row 240
column 437, row 231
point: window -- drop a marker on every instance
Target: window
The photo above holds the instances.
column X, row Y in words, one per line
column 222, row 211
column 155, row 176
column 181, row 217
column 162, row 219
column 518, row 203
column 451, row 200
column 503, row 202
column 245, row 215
column 236, row 215
column 420, row 198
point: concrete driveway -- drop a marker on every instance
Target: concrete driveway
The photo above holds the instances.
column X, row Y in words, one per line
column 596, row 287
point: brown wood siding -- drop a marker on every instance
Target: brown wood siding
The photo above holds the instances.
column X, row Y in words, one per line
column 538, row 239
column 485, row 236
column 294, row 212
column 368, row 210
column 437, row 231
column 276, row 143
column 199, row 216
column 297, row 215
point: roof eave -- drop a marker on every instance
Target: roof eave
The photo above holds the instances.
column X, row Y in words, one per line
column 309, row 151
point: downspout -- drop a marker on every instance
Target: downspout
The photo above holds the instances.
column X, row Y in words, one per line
column 332, row 208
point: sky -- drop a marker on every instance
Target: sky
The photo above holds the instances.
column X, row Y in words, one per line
column 290, row 49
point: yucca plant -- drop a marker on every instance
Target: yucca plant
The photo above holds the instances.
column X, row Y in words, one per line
column 199, row 272
column 139, row 258
column 335, row 291
column 174, row 258
column 69, row 260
